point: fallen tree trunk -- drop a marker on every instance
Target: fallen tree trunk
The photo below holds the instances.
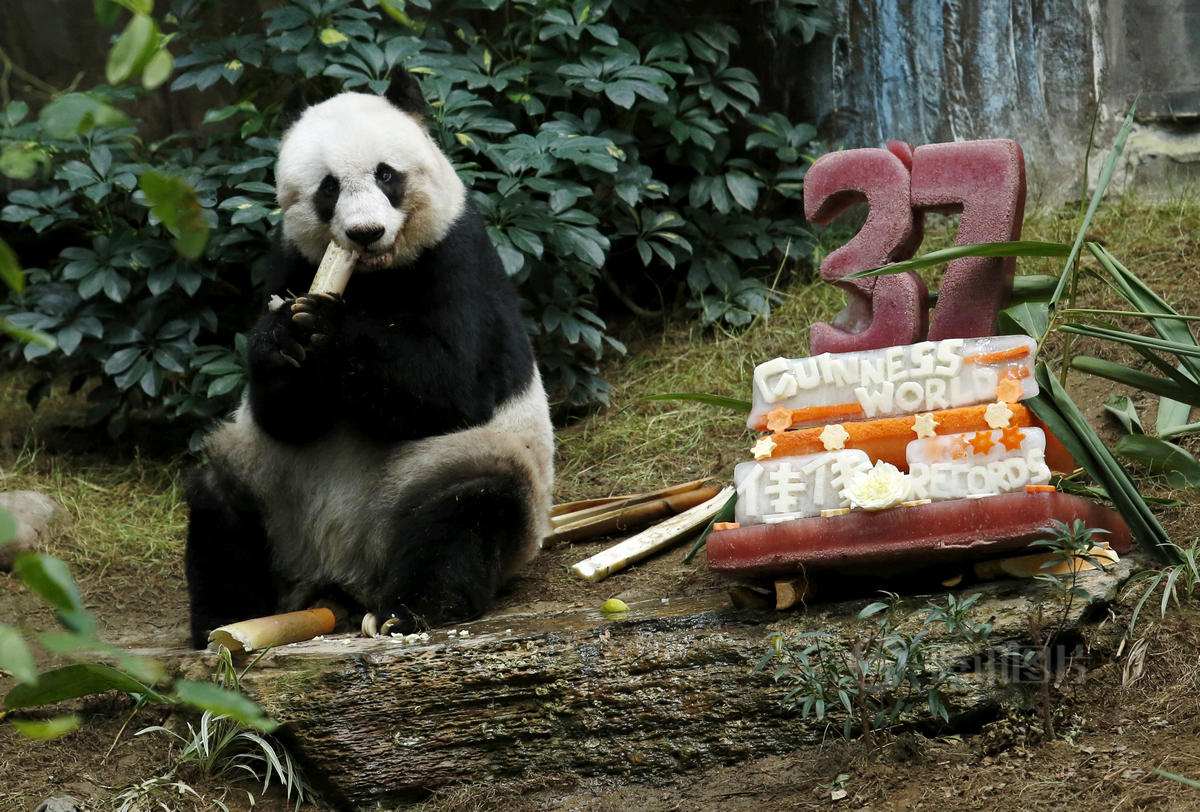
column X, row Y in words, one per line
column 666, row 689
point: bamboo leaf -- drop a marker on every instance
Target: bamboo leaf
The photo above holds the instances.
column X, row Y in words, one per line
column 1133, row 340
column 1031, row 318
column 1135, row 378
column 1125, row 412
column 1160, row 457
column 735, row 404
column 1015, row 248
column 1145, row 300
column 1054, row 407
column 1172, row 415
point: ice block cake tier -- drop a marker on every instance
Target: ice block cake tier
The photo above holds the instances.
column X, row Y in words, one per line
column 880, row 542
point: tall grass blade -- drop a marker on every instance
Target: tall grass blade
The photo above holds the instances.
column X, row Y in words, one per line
column 1134, row 340
column 1014, row 248
column 736, row 404
column 1135, row 378
column 1145, row 300
column 1106, row 173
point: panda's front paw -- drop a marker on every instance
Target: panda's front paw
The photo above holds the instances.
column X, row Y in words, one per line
column 304, row 325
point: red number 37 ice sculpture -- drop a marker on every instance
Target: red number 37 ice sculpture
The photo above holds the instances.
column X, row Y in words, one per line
column 985, row 180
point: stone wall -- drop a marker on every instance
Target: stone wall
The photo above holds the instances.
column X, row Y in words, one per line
column 1036, row 71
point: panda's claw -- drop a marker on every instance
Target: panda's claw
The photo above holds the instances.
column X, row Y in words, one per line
column 370, row 625
column 319, row 339
column 290, row 359
column 303, row 318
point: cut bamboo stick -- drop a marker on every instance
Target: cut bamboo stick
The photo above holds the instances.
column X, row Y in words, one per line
column 791, row 591
column 629, row 517
column 273, row 630
column 651, row 540
column 599, row 507
column 334, row 271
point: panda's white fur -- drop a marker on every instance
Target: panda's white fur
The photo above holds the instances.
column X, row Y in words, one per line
column 332, row 499
column 395, row 449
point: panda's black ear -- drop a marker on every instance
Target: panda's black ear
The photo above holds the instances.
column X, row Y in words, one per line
column 294, row 106
column 305, row 95
column 404, row 92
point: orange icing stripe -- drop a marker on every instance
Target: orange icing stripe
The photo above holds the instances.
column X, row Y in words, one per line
column 817, row 413
column 887, row 439
column 994, row 357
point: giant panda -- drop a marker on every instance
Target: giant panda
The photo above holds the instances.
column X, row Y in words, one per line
column 394, row 451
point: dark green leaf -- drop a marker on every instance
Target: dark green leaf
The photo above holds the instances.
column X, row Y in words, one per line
column 1125, row 412
column 1160, row 457
column 1136, row 378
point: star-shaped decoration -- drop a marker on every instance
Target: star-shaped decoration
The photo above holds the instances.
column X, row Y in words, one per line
column 1009, row 390
column 1011, row 437
column 982, row 442
column 834, row 437
column 923, row 425
column 779, row 419
column 997, row 415
column 763, row 448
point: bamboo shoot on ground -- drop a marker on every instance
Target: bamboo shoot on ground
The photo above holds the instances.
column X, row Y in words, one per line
column 273, row 630
column 661, row 535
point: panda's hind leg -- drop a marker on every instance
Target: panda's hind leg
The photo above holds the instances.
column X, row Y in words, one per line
column 227, row 559
column 452, row 551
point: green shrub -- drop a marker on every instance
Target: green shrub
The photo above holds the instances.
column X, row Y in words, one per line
column 610, row 142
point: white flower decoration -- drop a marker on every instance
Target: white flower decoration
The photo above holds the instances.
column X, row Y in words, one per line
column 884, row 486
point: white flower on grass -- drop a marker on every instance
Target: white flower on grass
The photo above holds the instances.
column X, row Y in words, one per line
column 884, row 486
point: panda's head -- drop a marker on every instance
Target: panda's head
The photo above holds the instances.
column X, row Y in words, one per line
column 362, row 170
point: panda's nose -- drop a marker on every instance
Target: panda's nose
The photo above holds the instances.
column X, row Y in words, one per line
column 365, row 236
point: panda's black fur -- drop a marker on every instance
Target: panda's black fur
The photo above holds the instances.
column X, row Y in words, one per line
column 395, row 449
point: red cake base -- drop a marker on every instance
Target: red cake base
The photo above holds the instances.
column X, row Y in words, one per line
column 906, row 538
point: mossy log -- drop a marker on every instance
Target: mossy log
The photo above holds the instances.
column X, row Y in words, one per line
column 666, row 688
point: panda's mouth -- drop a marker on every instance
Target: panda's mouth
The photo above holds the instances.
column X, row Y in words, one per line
column 375, row 260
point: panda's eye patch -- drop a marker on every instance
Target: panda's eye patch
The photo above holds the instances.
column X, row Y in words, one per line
column 390, row 182
column 326, row 197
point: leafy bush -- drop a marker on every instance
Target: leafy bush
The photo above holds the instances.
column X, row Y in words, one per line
column 612, row 142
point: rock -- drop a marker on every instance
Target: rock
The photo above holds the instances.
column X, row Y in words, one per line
column 37, row 516
column 59, row 803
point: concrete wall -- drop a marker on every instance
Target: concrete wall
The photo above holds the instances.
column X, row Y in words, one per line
column 1036, row 71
